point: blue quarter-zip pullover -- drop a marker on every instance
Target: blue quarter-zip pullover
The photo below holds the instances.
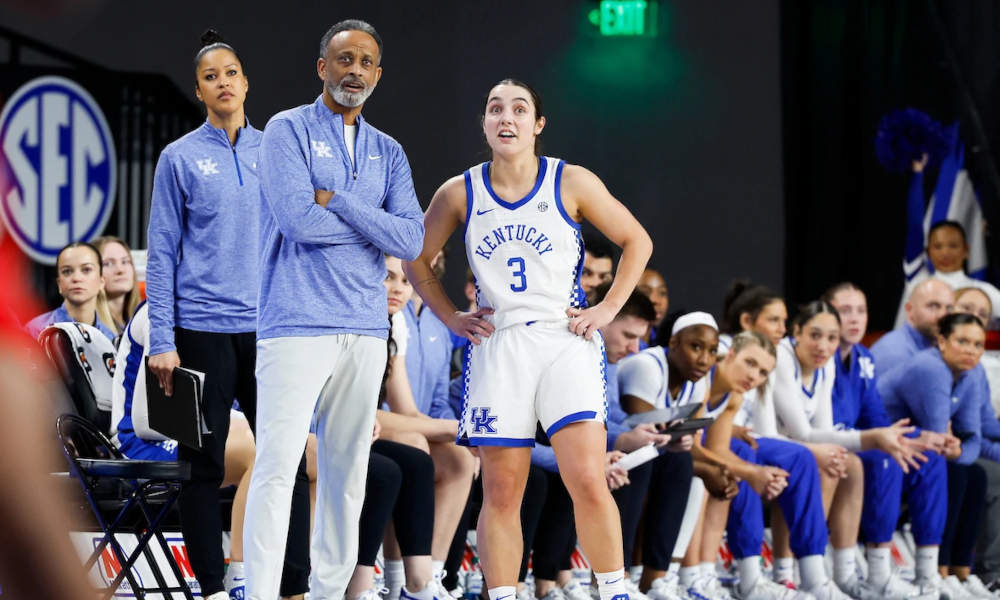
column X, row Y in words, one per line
column 202, row 270
column 322, row 268
column 925, row 391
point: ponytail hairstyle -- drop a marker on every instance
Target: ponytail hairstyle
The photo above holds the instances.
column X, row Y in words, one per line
column 211, row 40
column 745, row 297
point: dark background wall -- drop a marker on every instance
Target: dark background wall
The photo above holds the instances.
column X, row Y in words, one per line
column 684, row 128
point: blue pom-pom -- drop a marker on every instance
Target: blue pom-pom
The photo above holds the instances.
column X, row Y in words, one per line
column 906, row 135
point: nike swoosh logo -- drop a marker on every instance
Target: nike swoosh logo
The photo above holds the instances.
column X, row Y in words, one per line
column 507, row 596
column 615, row 581
column 483, row 212
column 370, row 157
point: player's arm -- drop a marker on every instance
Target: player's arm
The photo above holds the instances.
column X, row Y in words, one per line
column 633, row 405
column 585, row 197
column 443, row 216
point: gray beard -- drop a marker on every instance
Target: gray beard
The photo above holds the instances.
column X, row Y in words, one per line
column 350, row 99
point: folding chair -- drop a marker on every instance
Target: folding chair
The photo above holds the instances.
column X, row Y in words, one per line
column 94, row 460
column 60, row 349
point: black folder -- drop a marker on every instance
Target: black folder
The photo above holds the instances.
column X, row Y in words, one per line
column 179, row 416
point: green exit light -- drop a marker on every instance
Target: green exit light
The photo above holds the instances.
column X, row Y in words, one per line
column 625, row 18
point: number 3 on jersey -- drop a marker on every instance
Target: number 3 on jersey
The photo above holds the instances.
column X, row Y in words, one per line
column 518, row 263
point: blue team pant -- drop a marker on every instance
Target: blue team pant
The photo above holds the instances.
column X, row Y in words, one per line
column 801, row 503
column 885, row 484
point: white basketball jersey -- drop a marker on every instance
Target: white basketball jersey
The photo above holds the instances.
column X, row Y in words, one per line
column 822, row 383
column 527, row 256
column 709, row 411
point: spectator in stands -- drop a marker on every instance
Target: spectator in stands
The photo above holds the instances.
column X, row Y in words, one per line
column 804, row 399
column 929, row 301
column 941, row 389
column 203, row 301
column 975, row 302
column 404, row 423
column 598, row 264
column 119, row 279
column 655, row 288
column 81, row 284
column 131, row 433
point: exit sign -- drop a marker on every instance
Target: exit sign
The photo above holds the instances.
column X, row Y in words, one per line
column 625, row 18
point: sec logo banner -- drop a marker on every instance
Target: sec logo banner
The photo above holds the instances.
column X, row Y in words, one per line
column 57, row 167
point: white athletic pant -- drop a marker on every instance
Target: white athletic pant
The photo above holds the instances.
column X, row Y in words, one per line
column 339, row 376
column 690, row 520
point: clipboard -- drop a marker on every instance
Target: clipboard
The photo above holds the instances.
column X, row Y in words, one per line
column 664, row 415
column 179, row 416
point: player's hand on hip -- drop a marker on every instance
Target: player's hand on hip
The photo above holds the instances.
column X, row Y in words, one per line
column 163, row 365
column 471, row 325
column 587, row 321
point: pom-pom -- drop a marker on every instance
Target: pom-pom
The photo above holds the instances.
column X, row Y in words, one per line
column 904, row 136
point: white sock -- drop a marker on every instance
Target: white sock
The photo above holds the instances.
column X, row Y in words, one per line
column 687, row 575
column 784, row 569
column 437, row 566
column 395, row 577
column 879, row 567
column 749, row 570
column 674, row 567
column 707, row 568
column 635, row 573
column 844, row 569
column 502, row 592
column 812, row 571
column 233, row 573
column 610, row 584
column 927, row 562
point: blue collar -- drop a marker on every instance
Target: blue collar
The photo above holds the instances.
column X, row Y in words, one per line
column 918, row 339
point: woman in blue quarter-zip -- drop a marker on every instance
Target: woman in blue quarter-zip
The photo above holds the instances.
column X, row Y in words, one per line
column 202, row 293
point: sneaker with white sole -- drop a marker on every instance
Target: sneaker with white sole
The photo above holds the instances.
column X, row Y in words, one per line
column 373, row 594
column 896, row 588
column 555, row 593
column 218, row 596
column 666, row 588
column 975, row 586
column 950, row 588
column 574, row 591
column 633, row 591
column 765, row 589
column 829, row 591
column 431, row 592
column 704, row 587
column 525, row 594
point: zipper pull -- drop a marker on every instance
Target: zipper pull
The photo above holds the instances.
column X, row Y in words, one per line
column 355, row 172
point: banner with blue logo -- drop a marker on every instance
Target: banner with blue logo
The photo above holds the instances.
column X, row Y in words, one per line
column 58, row 164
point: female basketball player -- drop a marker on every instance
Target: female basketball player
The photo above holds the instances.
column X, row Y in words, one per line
column 120, row 287
column 536, row 353
column 81, row 284
column 203, row 304
column 803, row 402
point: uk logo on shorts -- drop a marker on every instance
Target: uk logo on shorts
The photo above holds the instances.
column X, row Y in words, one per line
column 482, row 421
column 57, row 167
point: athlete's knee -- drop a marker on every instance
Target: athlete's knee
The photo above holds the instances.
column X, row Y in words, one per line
column 502, row 489
column 855, row 470
column 588, row 487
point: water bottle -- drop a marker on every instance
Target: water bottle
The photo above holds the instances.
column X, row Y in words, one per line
column 474, row 580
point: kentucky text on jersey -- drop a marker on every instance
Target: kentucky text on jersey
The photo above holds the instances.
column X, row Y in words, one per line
column 508, row 233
